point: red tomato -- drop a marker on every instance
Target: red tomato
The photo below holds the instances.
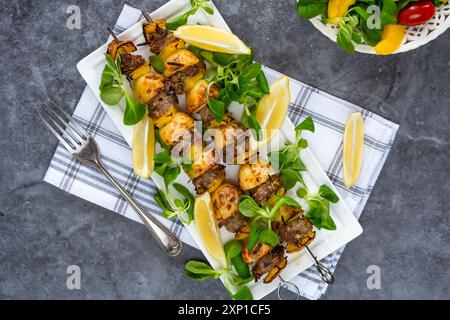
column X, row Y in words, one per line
column 417, row 12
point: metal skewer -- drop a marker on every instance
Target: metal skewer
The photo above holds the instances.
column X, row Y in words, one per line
column 111, row 32
column 147, row 16
column 324, row 273
column 285, row 285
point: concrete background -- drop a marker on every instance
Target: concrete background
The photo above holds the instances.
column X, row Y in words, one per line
column 43, row 230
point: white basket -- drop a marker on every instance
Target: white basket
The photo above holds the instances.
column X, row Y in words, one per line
column 415, row 36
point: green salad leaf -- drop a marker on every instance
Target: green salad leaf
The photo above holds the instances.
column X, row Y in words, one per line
column 183, row 19
column 112, row 90
column 311, row 8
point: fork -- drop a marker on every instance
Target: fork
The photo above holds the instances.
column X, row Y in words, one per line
column 84, row 148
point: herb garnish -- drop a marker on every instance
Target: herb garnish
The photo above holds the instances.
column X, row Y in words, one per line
column 183, row 19
column 174, row 207
column 167, row 166
column 235, row 274
column 319, row 206
column 240, row 80
column 112, row 90
column 291, row 168
column 261, row 219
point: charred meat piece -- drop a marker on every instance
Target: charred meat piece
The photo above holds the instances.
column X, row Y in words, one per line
column 177, row 80
column 259, row 250
column 234, row 223
column 155, row 34
column 130, row 62
column 265, row 191
column 272, row 260
column 243, row 232
column 293, row 228
column 162, row 108
column 225, row 202
column 210, row 180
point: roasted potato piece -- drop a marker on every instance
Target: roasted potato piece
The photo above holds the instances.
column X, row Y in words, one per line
column 210, row 180
column 259, row 250
column 197, row 98
column 202, row 162
column 253, row 175
column 173, row 132
column 191, row 81
column 179, row 61
column 120, row 47
column 225, row 201
column 142, row 70
column 148, row 86
column 170, row 47
column 162, row 108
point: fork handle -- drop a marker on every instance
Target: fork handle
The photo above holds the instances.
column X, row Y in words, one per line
column 165, row 238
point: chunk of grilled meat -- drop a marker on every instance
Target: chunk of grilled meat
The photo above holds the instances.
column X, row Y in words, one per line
column 266, row 190
column 225, row 202
column 155, row 34
column 271, row 263
column 210, row 180
column 243, row 232
column 293, row 228
column 207, row 117
column 130, row 62
column 259, row 250
column 162, row 108
column 178, row 79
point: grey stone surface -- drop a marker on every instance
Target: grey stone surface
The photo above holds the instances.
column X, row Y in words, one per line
column 43, row 229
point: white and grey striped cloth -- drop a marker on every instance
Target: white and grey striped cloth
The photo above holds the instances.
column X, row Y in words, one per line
column 329, row 113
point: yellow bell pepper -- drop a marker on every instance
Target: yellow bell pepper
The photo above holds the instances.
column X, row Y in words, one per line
column 391, row 39
column 337, row 9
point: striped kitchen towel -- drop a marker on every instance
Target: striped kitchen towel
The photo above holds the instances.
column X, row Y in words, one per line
column 329, row 113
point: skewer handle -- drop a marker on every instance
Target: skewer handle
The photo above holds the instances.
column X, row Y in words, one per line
column 324, row 273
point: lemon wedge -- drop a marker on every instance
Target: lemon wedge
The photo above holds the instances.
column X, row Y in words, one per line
column 212, row 39
column 272, row 108
column 143, row 148
column 207, row 227
column 353, row 148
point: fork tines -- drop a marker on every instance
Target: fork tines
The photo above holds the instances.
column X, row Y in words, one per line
column 68, row 131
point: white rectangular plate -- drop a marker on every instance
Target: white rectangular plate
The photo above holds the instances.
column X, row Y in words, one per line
column 326, row 242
